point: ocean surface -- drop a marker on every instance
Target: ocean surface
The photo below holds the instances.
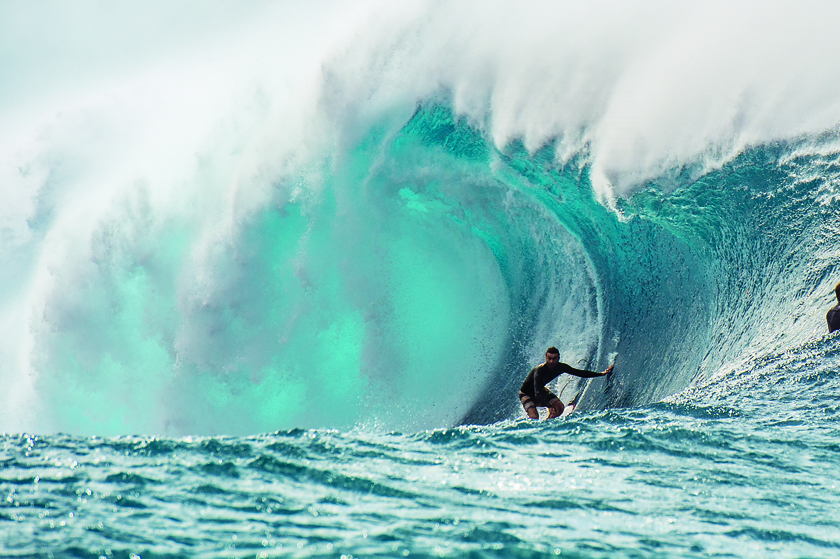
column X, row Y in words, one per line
column 271, row 276
column 749, row 467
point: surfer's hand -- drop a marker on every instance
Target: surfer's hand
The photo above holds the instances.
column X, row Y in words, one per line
column 608, row 371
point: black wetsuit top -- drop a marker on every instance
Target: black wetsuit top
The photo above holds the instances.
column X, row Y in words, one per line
column 833, row 318
column 534, row 385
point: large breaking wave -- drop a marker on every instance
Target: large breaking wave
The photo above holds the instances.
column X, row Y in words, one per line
column 336, row 217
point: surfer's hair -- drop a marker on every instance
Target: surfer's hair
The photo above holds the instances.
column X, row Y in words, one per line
column 554, row 351
column 837, row 291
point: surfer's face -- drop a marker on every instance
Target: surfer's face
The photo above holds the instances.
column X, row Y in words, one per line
column 552, row 358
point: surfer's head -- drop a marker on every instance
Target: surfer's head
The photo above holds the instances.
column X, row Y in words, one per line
column 552, row 355
column 837, row 292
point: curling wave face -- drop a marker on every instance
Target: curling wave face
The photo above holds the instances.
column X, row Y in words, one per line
column 395, row 242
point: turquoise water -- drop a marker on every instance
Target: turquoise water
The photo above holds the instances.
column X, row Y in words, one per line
column 746, row 468
column 271, row 281
column 354, row 324
column 426, row 270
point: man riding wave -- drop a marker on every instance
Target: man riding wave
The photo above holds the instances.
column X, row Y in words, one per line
column 534, row 394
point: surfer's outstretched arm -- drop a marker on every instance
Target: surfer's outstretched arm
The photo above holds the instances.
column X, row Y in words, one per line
column 583, row 373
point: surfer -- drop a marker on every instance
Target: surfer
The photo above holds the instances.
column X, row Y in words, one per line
column 533, row 392
column 833, row 316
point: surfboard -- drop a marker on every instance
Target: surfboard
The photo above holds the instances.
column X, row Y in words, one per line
column 570, row 407
column 579, row 396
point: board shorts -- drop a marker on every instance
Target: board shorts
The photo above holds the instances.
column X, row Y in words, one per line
column 542, row 400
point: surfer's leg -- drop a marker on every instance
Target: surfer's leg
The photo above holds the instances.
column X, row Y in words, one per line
column 555, row 408
column 529, row 406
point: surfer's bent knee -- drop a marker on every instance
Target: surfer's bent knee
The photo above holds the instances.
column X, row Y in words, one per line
column 557, row 407
column 527, row 402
